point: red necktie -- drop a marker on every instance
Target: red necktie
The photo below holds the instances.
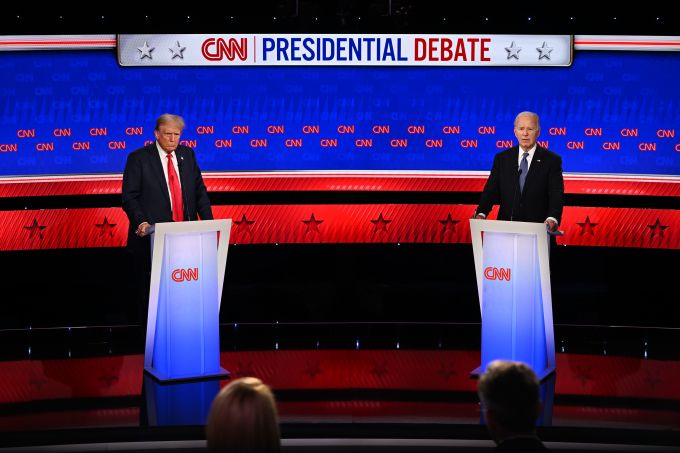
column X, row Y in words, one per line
column 175, row 192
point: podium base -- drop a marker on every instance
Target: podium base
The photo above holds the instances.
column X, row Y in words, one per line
column 474, row 374
column 163, row 378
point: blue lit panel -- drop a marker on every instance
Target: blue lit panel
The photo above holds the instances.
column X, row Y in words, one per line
column 72, row 112
column 186, row 342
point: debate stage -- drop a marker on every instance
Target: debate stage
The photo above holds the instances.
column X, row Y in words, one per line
column 350, row 286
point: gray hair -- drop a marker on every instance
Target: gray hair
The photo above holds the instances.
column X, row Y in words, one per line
column 169, row 118
column 511, row 391
column 532, row 115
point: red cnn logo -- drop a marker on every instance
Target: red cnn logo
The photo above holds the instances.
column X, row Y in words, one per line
column 495, row 273
column 181, row 275
column 216, row 49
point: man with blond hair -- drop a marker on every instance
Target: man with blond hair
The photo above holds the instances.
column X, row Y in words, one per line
column 161, row 183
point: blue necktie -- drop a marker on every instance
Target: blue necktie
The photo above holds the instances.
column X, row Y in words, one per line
column 524, row 167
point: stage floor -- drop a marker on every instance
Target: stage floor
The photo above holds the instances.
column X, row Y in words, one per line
column 334, row 377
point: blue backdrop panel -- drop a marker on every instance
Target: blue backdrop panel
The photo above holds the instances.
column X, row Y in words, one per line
column 79, row 112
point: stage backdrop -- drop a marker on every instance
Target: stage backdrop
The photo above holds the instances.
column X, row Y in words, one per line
column 79, row 112
column 71, row 115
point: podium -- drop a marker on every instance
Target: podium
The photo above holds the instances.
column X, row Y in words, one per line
column 513, row 282
column 187, row 273
column 178, row 403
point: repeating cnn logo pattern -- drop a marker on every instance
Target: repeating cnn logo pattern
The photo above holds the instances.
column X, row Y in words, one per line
column 497, row 273
column 185, row 275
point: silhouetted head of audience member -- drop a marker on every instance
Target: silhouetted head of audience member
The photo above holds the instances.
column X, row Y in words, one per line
column 509, row 392
column 243, row 418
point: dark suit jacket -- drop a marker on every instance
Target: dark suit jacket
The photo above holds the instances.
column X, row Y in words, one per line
column 543, row 194
column 145, row 192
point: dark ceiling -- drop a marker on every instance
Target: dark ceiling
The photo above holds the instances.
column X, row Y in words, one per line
column 347, row 16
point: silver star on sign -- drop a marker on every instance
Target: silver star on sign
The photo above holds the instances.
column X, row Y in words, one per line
column 146, row 51
column 544, row 51
column 513, row 51
column 177, row 51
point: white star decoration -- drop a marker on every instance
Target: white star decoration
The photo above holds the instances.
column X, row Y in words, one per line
column 146, row 51
column 177, row 51
column 544, row 51
column 513, row 51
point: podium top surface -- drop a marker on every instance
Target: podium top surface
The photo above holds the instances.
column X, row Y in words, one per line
column 198, row 226
column 504, row 226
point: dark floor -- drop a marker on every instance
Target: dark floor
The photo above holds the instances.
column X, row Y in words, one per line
column 339, row 381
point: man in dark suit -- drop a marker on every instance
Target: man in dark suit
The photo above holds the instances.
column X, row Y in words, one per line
column 161, row 183
column 509, row 392
column 526, row 180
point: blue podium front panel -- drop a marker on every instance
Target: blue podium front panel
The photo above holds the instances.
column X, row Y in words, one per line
column 187, row 331
column 512, row 306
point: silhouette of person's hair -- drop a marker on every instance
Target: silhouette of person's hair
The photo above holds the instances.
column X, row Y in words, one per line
column 509, row 392
column 243, row 418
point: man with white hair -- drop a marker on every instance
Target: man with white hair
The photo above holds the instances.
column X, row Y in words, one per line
column 525, row 180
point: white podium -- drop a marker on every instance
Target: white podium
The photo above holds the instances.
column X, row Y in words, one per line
column 187, row 274
column 513, row 281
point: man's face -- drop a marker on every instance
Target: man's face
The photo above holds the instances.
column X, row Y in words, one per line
column 168, row 136
column 526, row 131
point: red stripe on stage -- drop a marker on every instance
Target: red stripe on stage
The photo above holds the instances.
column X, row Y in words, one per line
column 61, row 43
column 347, row 223
column 426, row 370
column 627, row 43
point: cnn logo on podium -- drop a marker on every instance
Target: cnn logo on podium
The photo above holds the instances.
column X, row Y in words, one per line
column 497, row 273
column 185, row 275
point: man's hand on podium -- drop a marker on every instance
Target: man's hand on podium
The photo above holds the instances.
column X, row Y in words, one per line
column 552, row 225
column 552, row 228
column 143, row 229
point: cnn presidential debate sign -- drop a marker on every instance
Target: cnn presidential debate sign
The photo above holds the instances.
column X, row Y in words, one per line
column 344, row 50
